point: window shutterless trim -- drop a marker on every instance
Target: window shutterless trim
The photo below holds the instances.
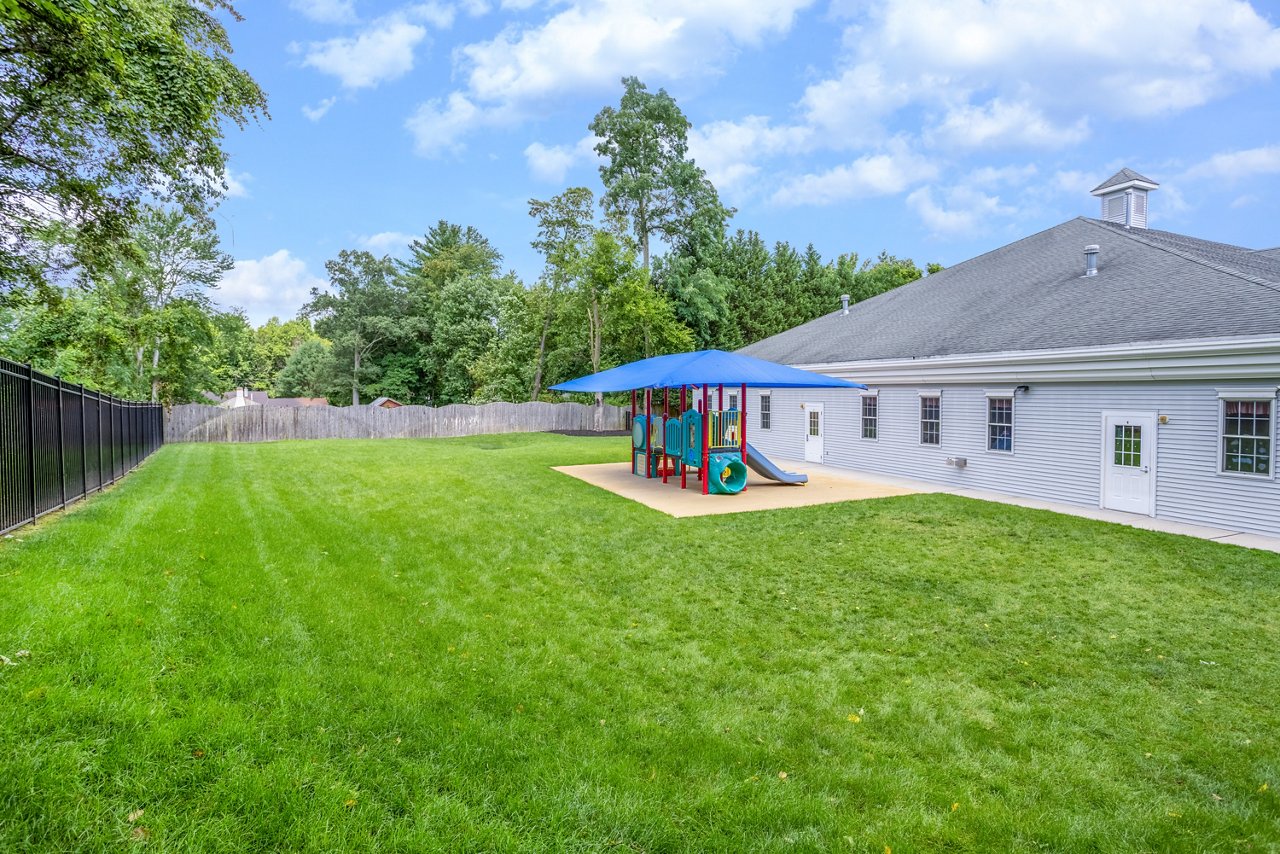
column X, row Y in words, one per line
column 991, row 398
column 1226, row 396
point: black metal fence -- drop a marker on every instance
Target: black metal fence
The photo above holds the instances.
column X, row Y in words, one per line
column 59, row 442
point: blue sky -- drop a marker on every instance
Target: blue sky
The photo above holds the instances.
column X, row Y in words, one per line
column 934, row 129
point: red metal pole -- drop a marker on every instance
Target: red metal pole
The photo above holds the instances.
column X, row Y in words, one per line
column 742, row 425
column 720, row 404
column 648, row 433
column 666, row 404
column 633, row 427
column 706, row 439
column 684, row 435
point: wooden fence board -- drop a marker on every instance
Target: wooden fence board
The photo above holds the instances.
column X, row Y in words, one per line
column 196, row 422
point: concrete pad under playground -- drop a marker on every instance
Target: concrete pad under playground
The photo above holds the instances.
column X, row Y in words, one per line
column 760, row 494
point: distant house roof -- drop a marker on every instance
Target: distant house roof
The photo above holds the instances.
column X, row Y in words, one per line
column 1031, row 294
column 1122, row 178
column 386, row 403
column 239, row 397
column 294, row 402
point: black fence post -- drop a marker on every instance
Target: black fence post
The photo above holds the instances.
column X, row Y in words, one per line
column 31, row 434
column 84, row 451
column 62, row 451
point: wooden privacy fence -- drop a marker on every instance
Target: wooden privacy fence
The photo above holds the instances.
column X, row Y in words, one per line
column 59, row 442
column 195, row 422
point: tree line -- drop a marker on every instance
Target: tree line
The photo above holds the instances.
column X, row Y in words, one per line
column 650, row 266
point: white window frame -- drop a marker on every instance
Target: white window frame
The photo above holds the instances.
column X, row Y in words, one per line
column 733, row 400
column 922, row 394
column 874, row 395
column 1010, row 395
column 1267, row 395
column 765, row 411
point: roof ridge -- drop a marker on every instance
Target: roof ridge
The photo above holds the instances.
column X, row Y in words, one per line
column 1188, row 256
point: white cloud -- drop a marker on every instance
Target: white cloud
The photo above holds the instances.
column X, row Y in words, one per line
column 1244, row 201
column 381, row 52
column 386, row 241
column 730, row 152
column 550, row 163
column 1000, row 123
column 317, row 112
column 964, row 211
column 276, row 285
column 326, row 11
column 1003, row 72
column 871, row 175
column 236, row 184
column 850, row 107
column 438, row 15
column 1238, row 165
column 589, row 46
column 438, row 126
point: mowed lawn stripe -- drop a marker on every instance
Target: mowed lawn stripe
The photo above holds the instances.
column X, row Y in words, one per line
column 446, row 645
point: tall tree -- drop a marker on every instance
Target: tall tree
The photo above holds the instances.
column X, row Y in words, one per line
column 181, row 261
column 103, row 105
column 647, row 176
column 309, row 372
column 365, row 308
column 446, row 252
column 565, row 224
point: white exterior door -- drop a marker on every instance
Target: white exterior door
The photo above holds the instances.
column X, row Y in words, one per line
column 1129, row 462
column 813, row 432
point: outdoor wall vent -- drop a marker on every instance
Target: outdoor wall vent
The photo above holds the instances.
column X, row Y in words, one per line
column 957, row 462
column 844, row 303
column 1091, row 260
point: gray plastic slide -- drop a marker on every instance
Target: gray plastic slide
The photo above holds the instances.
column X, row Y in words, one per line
column 761, row 465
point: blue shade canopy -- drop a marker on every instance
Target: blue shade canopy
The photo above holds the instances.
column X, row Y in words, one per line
column 705, row 367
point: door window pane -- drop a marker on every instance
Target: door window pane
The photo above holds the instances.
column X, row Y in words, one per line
column 813, row 422
column 1128, row 446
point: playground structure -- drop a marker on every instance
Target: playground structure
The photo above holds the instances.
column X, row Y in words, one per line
column 673, row 434
column 712, row 442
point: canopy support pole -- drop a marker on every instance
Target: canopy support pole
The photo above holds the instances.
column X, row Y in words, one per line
column 706, row 439
column 633, row 427
column 684, row 437
column 666, row 408
column 742, row 425
column 648, row 433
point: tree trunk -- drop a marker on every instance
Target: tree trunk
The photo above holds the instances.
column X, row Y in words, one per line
column 155, row 369
column 597, row 334
column 537, row 365
column 355, row 379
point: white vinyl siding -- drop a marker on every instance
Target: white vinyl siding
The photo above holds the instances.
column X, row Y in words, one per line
column 1059, row 445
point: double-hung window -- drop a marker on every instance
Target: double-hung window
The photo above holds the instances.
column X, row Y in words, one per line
column 1000, row 423
column 1248, row 432
column 765, row 411
column 930, row 418
column 870, row 416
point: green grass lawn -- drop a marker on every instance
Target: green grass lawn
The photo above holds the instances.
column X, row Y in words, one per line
column 445, row 645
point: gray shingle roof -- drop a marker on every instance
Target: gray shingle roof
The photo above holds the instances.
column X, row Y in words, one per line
column 1124, row 176
column 1032, row 295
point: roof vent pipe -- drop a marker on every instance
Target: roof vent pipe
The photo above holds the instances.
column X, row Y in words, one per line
column 1091, row 259
column 844, row 303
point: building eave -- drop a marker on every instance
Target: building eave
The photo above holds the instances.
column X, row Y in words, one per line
column 1234, row 358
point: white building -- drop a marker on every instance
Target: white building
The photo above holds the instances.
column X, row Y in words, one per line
column 1097, row 363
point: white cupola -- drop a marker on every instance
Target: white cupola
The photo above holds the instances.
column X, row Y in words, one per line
column 1124, row 198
